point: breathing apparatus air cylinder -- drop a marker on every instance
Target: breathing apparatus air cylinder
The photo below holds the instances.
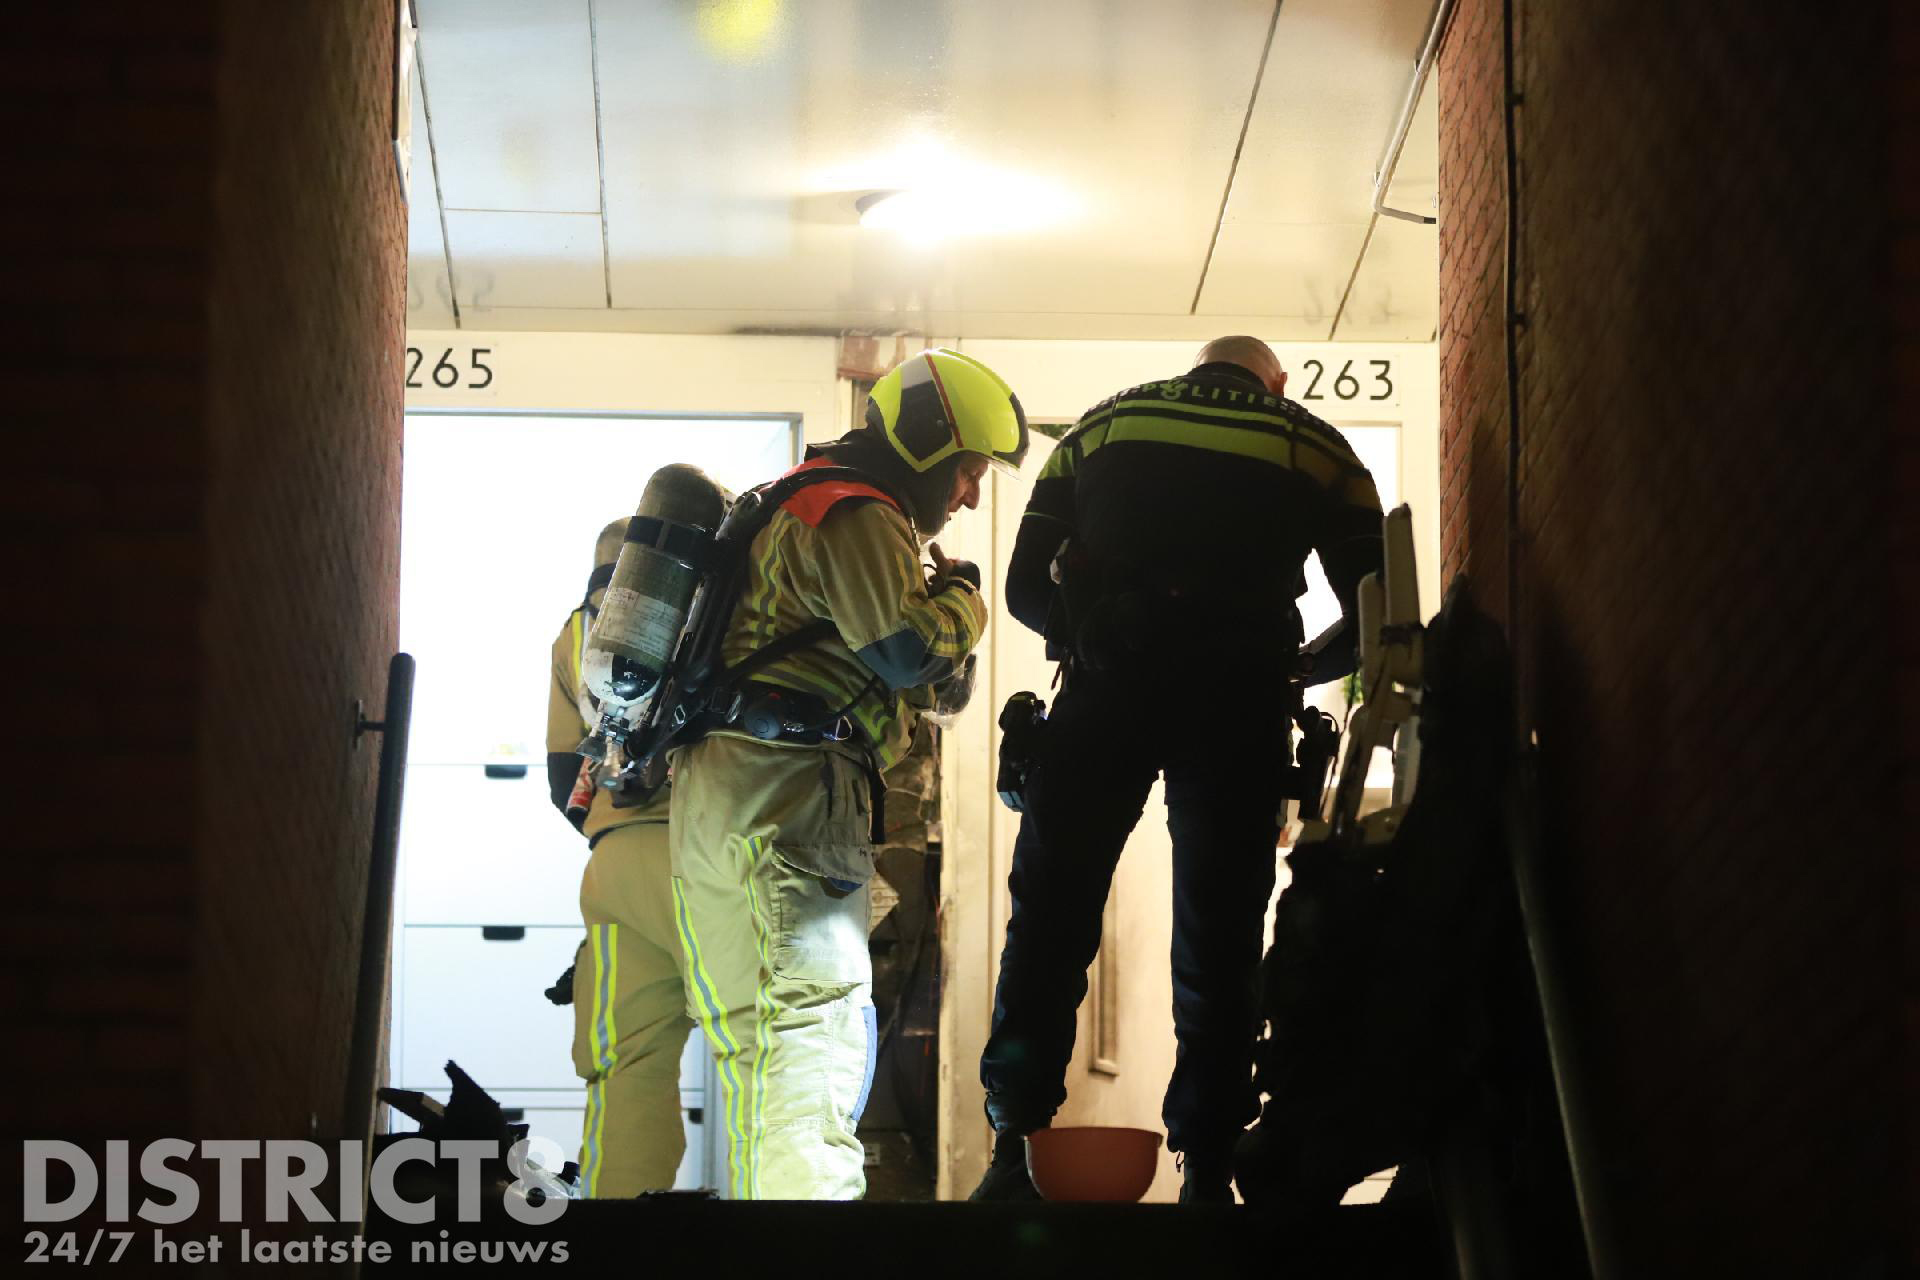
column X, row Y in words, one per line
column 646, row 603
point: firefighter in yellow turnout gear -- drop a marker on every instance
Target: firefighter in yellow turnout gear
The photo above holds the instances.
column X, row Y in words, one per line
column 629, row 1006
column 773, row 831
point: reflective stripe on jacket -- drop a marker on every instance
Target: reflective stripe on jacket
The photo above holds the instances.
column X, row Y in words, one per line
column 1207, row 484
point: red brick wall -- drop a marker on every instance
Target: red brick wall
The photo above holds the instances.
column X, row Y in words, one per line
column 201, row 535
column 1707, row 510
column 1473, row 426
column 105, row 548
column 307, row 302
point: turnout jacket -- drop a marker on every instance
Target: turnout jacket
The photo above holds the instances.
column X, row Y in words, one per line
column 848, row 554
column 1205, row 487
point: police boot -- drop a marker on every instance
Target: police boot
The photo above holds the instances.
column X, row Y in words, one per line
column 1007, row 1177
column 1209, row 1179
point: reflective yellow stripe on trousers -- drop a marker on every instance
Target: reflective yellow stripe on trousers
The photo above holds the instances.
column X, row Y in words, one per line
column 713, row 1020
column 605, row 939
column 763, row 1005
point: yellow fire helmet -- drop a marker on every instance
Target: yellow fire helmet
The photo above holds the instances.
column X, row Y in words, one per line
column 939, row 403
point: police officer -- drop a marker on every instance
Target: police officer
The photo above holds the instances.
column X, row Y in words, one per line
column 1160, row 555
column 773, row 837
column 629, row 1006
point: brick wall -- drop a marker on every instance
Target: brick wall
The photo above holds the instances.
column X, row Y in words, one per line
column 202, row 537
column 1903, row 125
column 1707, row 524
column 1473, row 423
column 105, row 550
column 307, row 301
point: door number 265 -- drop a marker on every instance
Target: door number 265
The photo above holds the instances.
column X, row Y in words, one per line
column 1345, row 385
column 446, row 374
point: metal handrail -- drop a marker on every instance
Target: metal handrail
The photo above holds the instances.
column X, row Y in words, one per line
column 376, row 934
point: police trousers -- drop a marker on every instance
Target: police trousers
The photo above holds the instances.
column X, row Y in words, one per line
column 629, row 1016
column 772, row 856
column 1100, row 751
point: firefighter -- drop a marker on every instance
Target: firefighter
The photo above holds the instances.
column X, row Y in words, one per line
column 773, row 836
column 629, row 1006
column 1160, row 555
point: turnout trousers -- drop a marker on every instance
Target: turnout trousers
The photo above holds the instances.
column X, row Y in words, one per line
column 1099, row 754
column 629, row 1016
column 772, row 856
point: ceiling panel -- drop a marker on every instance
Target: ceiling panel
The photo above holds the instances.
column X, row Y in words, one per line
column 1395, row 294
column 513, row 112
column 1095, row 137
column 1103, row 131
column 944, row 324
column 525, row 260
column 429, row 291
column 1334, row 84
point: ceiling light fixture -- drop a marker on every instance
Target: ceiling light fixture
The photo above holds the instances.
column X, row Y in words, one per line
column 740, row 30
column 977, row 204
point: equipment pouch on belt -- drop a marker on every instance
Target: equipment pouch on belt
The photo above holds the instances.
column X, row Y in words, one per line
column 1022, row 721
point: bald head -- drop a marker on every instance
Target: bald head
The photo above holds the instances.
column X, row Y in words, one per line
column 1251, row 354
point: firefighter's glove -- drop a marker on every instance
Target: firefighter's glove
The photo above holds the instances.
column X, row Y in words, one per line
column 965, row 570
column 561, row 992
column 944, row 570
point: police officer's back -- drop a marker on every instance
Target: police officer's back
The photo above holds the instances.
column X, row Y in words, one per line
column 1161, row 554
column 1204, row 495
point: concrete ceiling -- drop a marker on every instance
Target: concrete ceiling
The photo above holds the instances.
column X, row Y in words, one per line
column 1122, row 168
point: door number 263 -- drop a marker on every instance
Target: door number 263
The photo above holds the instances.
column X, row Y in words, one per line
column 1345, row 385
column 447, row 374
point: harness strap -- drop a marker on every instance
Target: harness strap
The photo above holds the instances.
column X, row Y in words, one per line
column 819, row 732
column 712, row 700
column 774, row 650
column 688, row 545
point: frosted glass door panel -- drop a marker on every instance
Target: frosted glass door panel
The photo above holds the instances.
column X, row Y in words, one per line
column 481, row 1004
column 498, row 520
column 479, row 850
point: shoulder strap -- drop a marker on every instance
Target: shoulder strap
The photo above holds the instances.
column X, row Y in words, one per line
column 774, row 650
column 812, row 502
column 814, row 487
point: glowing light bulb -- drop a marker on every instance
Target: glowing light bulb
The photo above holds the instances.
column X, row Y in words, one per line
column 965, row 203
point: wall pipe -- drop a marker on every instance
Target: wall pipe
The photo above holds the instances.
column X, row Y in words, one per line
column 1390, row 159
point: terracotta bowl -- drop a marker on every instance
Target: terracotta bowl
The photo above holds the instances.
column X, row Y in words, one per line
column 1093, row 1163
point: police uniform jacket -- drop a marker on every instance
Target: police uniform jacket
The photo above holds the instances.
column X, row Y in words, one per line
column 1206, row 491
